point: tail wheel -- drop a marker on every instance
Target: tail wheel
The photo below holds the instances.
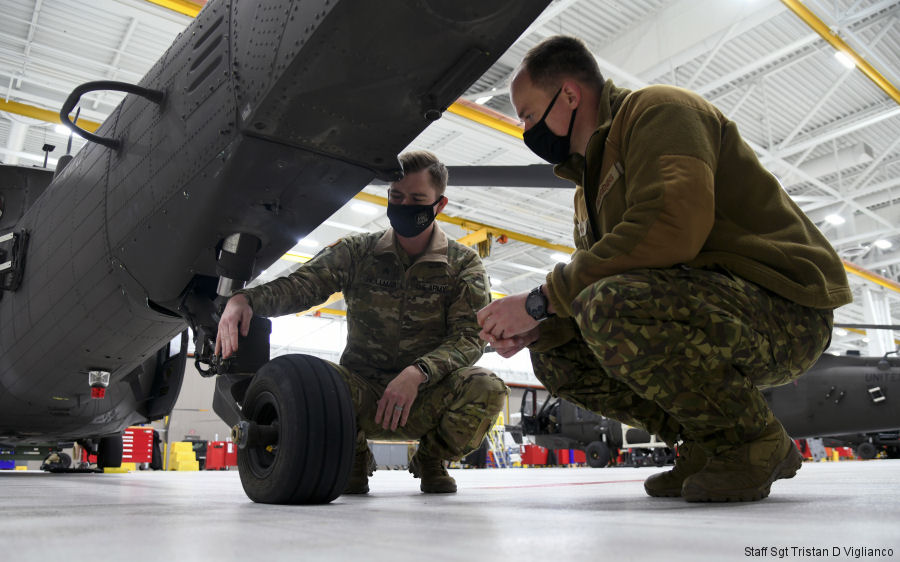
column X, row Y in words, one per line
column 866, row 451
column 597, row 454
column 57, row 461
column 303, row 413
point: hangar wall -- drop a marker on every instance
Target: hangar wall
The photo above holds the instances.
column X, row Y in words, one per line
column 193, row 414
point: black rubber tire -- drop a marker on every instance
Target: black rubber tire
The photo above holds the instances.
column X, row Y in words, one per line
column 311, row 404
column 109, row 452
column 866, row 451
column 65, row 461
column 62, row 463
column 598, row 454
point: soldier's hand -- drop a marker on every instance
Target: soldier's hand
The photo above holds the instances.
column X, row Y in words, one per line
column 235, row 319
column 505, row 318
column 508, row 347
column 398, row 398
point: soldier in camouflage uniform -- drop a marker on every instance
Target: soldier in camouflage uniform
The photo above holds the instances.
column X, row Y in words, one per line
column 412, row 337
column 696, row 280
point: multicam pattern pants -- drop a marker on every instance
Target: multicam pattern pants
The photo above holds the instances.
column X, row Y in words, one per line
column 683, row 353
column 449, row 418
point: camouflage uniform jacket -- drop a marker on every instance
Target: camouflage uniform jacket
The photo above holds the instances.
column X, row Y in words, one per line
column 666, row 179
column 398, row 313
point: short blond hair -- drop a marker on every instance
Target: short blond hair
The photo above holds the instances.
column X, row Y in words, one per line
column 417, row 160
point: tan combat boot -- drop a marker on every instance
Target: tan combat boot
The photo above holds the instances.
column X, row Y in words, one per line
column 435, row 478
column 363, row 467
column 691, row 459
column 746, row 473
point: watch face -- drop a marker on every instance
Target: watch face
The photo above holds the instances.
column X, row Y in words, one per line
column 535, row 305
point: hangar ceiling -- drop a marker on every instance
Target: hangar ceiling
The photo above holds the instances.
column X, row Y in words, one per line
column 826, row 130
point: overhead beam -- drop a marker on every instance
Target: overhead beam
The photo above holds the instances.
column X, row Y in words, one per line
column 529, row 175
column 816, row 182
column 655, row 46
column 756, row 65
column 473, row 238
column 788, row 53
column 891, row 259
column 813, row 21
column 863, row 237
column 812, row 112
column 181, row 6
column 553, row 10
column 837, row 132
column 486, row 116
column 866, row 174
column 113, row 73
column 42, row 114
column 64, row 62
column 35, row 14
column 712, row 54
column 871, row 277
column 872, row 55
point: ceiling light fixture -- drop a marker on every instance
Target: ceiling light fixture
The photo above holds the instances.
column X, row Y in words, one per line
column 836, row 220
column 483, row 100
column 845, row 59
column 883, row 244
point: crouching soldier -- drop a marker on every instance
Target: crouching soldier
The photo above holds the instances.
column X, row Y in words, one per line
column 696, row 282
column 412, row 335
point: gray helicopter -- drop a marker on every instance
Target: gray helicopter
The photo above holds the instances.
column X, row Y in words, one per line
column 259, row 122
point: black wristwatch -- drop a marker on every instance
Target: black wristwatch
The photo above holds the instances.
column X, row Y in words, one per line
column 536, row 304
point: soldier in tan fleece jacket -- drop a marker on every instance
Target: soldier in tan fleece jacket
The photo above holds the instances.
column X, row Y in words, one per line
column 696, row 280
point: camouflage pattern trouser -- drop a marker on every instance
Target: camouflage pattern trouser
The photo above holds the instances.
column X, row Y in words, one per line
column 449, row 418
column 683, row 353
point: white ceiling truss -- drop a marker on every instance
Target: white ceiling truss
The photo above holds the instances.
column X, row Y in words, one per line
column 827, row 132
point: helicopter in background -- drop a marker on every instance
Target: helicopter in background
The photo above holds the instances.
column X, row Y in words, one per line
column 851, row 400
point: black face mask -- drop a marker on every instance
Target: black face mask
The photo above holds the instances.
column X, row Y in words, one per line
column 411, row 220
column 544, row 142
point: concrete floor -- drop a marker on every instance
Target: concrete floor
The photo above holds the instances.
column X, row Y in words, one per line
column 547, row 514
